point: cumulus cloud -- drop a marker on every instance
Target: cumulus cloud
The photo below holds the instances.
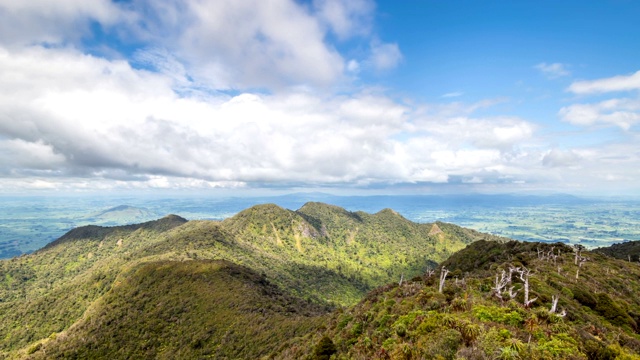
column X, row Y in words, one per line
column 554, row 70
column 206, row 103
column 53, row 22
column 615, row 83
column 623, row 113
column 89, row 118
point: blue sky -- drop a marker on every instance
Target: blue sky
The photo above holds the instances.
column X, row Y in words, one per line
column 332, row 95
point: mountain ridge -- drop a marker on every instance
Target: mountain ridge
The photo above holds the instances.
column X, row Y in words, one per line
column 319, row 253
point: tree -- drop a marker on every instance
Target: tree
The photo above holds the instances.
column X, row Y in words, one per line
column 324, row 349
column 577, row 248
column 582, row 261
column 443, row 276
column 524, row 276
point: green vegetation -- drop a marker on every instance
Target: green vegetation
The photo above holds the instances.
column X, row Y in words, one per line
column 185, row 310
column 469, row 321
column 320, row 253
column 263, row 284
column 629, row 251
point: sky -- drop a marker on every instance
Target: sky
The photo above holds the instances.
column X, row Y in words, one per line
column 341, row 96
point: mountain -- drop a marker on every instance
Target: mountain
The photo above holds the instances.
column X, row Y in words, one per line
column 316, row 283
column 629, row 251
column 122, row 214
column 184, row 310
column 597, row 312
column 321, row 255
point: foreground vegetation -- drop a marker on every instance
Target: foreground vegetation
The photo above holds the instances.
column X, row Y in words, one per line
column 596, row 314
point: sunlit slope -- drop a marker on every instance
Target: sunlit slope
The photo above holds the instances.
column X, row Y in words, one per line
column 367, row 249
column 597, row 314
column 320, row 253
column 45, row 292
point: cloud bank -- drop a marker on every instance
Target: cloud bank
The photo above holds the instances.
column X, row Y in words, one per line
column 174, row 94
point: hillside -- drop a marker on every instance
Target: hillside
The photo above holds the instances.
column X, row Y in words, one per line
column 629, row 251
column 596, row 316
column 185, row 310
column 320, row 253
column 122, row 214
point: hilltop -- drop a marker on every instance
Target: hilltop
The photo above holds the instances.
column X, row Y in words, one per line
column 629, row 251
column 122, row 214
column 320, row 254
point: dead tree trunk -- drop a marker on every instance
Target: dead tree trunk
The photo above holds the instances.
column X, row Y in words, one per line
column 524, row 276
column 577, row 248
column 582, row 261
column 500, row 284
column 443, row 277
column 554, row 303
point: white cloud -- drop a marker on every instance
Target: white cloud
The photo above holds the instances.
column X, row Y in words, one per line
column 561, row 158
column 353, row 66
column 497, row 133
column 616, row 83
column 18, row 155
column 346, row 18
column 55, row 22
column 108, row 123
column 453, row 94
column 384, row 56
column 554, row 70
column 243, row 44
column 623, row 113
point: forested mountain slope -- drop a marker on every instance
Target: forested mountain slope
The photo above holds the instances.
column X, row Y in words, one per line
column 629, row 251
column 322, row 254
column 485, row 312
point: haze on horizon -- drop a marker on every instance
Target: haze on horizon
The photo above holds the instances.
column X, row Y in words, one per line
column 346, row 96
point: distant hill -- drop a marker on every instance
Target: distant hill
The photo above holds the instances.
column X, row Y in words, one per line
column 629, row 251
column 123, row 214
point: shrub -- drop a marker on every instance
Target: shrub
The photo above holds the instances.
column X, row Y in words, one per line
column 324, row 349
column 611, row 311
column 584, row 297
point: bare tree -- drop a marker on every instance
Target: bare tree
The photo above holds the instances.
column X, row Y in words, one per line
column 554, row 303
column 501, row 283
column 582, row 261
column 443, row 277
column 577, row 248
column 429, row 272
column 502, row 280
column 524, row 276
column 401, row 279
